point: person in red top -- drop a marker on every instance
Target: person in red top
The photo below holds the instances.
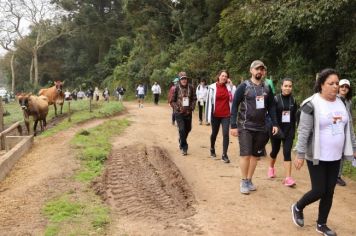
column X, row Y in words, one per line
column 218, row 112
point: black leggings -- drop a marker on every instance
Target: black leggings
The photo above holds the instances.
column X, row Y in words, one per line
column 201, row 109
column 287, row 147
column 323, row 180
column 215, row 126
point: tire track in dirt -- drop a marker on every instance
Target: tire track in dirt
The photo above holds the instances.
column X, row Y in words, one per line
column 141, row 183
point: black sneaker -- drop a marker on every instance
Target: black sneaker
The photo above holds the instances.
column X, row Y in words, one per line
column 225, row 158
column 340, row 181
column 212, row 153
column 323, row 229
column 297, row 216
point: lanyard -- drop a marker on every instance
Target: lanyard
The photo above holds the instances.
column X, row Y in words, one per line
column 181, row 93
column 256, row 91
column 290, row 101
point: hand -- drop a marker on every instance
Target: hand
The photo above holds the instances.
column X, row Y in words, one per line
column 298, row 163
column 234, row 132
column 274, row 130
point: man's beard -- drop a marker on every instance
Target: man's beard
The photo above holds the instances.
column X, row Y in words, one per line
column 258, row 76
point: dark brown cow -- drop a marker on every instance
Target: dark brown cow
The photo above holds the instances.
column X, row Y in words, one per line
column 34, row 106
column 55, row 95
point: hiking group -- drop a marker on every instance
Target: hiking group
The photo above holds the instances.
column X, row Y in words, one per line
column 254, row 114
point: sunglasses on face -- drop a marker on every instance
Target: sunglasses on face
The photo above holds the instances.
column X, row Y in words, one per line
column 344, row 86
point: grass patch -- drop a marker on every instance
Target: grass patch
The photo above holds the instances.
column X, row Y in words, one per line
column 94, row 147
column 61, row 209
column 349, row 170
column 81, row 114
column 80, row 211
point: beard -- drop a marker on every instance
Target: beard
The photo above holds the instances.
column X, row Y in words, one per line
column 258, row 76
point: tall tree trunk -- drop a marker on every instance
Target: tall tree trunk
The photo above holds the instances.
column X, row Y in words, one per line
column 31, row 71
column 35, row 65
column 12, row 72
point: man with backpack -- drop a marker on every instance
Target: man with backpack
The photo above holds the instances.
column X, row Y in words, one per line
column 183, row 103
column 249, row 122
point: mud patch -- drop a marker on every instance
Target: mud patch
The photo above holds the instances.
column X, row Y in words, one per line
column 142, row 183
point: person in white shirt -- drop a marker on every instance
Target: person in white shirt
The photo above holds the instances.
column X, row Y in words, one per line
column 156, row 90
column 202, row 93
column 140, row 94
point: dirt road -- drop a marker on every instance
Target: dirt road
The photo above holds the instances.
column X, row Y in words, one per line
column 153, row 190
column 216, row 206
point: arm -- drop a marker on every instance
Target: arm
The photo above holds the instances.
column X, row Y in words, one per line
column 238, row 97
column 193, row 98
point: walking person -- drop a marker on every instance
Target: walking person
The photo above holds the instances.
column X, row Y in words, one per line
column 170, row 96
column 218, row 112
column 140, row 94
column 156, row 90
column 324, row 137
column 286, row 109
column 202, row 92
column 248, row 121
column 96, row 93
column 183, row 103
column 345, row 93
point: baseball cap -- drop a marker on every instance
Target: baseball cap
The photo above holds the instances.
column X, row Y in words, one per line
column 343, row 82
column 257, row 63
column 182, row 75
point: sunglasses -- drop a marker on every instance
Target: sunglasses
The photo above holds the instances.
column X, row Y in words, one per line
column 344, row 86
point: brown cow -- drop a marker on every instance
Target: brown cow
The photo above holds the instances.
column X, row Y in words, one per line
column 55, row 95
column 34, row 106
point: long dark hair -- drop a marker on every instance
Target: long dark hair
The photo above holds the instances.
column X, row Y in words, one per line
column 220, row 72
column 323, row 75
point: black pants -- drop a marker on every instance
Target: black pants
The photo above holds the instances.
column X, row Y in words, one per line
column 287, row 147
column 215, row 126
column 201, row 110
column 156, row 98
column 173, row 117
column 184, row 123
column 323, row 181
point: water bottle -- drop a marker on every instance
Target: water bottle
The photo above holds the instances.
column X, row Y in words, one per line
column 354, row 162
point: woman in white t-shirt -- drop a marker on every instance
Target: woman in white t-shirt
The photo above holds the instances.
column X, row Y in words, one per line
column 324, row 137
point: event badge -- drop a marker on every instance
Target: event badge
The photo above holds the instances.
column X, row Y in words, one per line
column 337, row 126
column 260, row 102
column 285, row 116
column 185, row 102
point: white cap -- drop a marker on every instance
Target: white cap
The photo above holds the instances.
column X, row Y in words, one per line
column 344, row 81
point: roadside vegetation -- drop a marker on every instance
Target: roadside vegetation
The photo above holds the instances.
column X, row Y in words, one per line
column 80, row 211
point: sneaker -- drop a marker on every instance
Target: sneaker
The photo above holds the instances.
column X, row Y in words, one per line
column 184, row 152
column 225, row 158
column 289, row 182
column 325, row 230
column 297, row 216
column 251, row 186
column 244, row 187
column 207, row 124
column 271, row 172
column 340, row 181
column 200, row 122
column 212, row 153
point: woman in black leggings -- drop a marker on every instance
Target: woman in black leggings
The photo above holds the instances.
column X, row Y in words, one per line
column 218, row 112
column 286, row 117
column 324, row 137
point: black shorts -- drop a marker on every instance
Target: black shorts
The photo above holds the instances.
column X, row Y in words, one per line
column 252, row 143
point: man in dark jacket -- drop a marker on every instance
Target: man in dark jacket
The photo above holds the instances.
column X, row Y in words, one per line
column 183, row 103
column 249, row 122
